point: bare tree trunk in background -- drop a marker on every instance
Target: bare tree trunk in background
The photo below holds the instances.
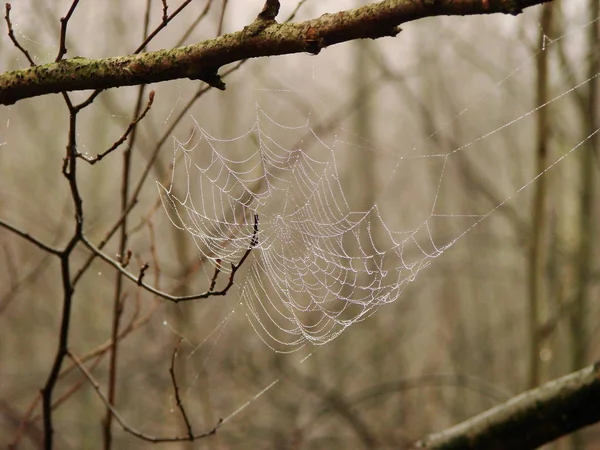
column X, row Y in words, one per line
column 538, row 308
column 366, row 186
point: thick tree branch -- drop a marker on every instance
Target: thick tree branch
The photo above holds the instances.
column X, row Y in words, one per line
column 529, row 420
column 262, row 38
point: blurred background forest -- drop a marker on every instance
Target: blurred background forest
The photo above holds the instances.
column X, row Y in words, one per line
column 425, row 122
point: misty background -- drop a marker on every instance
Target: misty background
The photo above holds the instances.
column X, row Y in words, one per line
column 424, row 125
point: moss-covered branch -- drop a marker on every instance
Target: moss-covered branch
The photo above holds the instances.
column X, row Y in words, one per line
column 264, row 37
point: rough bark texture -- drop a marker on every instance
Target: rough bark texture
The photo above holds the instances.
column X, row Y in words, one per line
column 261, row 38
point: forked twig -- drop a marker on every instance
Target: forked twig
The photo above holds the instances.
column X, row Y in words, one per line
column 124, row 137
column 62, row 49
column 11, row 35
column 173, row 298
column 165, row 10
column 176, row 390
column 103, row 243
column 253, row 243
column 164, row 22
column 97, row 354
column 121, row 420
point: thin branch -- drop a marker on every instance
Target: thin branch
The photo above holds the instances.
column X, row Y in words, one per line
column 123, row 138
column 222, row 18
column 69, row 171
column 135, row 323
column 529, row 420
column 173, row 298
column 103, row 243
column 203, row 60
column 29, row 238
column 143, row 269
column 123, row 239
column 165, row 10
column 11, row 35
column 24, row 422
column 295, row 11
column 165, row 21
column 176, row 390
column 64, row 21
column 213, row 280
column 201, row 16
column 87, row 102
column 72, row 389
column 121, row 421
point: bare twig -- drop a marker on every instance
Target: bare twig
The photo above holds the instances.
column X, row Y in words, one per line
column 165, row 21
column 155, row 259
column 194, row 24
column 25, row 422
column 69, row 171
column 222, row 18
column 97, row 354
column 123, row 238
column 213, row 280
column 176, row 390
column 89, row 100
column 295, row 11
column 11, row 35
column 253, row 243
column 103, row 243
column 62, row 49
column 165, row 10
column 123, row 138
column 29, row 238
column 143, row 269
column 124, row 259
column 173, row 298
column 124, row 424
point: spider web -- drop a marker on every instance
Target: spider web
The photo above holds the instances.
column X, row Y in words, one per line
column 320, row 261
column 316, row 266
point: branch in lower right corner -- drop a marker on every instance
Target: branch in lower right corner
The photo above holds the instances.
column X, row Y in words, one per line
column 531, row 419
